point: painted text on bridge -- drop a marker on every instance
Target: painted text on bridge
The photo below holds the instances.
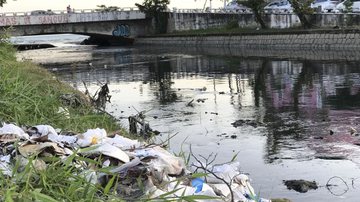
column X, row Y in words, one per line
column 74, row 17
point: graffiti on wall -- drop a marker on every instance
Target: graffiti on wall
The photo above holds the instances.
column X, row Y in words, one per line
column 33, row 20
column 62, row 18
column 121, row 30
column 7, row 21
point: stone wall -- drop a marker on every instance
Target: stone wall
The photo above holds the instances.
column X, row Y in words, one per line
column 324, row 40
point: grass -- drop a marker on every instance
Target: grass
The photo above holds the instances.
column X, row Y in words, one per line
column 30, row 95
column 58, row 182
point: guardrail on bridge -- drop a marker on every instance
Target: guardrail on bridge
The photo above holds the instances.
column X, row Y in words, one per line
column 40, row 17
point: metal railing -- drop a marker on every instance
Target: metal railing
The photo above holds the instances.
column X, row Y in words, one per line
column 216, row 10
column 73, row 11
column 222, row 10
column 175, row 10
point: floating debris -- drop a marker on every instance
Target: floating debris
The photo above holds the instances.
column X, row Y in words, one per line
column 246, row 122
column 301, row 186
column 331, row 157
column 138, row 121
column 202, row 100
column 353, row 132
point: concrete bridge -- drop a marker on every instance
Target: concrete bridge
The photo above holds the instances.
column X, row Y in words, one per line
column 129, row 22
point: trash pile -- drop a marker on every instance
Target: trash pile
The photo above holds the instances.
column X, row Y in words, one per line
column 162, row 174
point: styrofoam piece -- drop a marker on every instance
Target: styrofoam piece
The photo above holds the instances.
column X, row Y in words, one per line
column 108, row 150
column 123, row 142
column 91, row 137
column 11, row 129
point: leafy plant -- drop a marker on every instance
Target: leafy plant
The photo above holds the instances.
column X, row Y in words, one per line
column 154, row 9
column 103, row 8
column 232, row 24
column 257, row 6
column 302, row 9
column 348, row 5
column 2, row 2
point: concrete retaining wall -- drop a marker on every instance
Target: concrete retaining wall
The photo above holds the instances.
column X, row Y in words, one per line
column 192, row 21
column 337, row 40
column 346, row 55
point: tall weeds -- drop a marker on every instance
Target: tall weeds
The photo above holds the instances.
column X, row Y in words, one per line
column 30, row 95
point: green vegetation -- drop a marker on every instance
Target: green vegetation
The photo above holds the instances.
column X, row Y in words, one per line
column 233, row 24
column 348, row 6
column 302, row 9
column 58, row 182
column 154, row 9
column 2, row 2
column 257, row 6
column 31, row 95
column 103, row 8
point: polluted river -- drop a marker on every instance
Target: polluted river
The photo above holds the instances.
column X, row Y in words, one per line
column 281, row 118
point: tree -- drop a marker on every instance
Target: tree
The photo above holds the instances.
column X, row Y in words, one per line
column 2, row 2
column 302, row 9
column 348, row 6
column 257, row 6
column 103, row 8
column 154, row 9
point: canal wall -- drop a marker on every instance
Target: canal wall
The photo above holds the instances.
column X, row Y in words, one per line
column 182, row 20
column 275, row 54
column 305, row 40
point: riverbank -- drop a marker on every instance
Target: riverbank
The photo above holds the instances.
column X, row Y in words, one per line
column 31, row 96
column 37, row 163
column 328, row 39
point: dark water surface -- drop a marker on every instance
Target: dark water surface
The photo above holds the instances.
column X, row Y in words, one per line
column 293, row 103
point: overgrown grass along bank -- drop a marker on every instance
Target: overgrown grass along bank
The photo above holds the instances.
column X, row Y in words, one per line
column 29, row 95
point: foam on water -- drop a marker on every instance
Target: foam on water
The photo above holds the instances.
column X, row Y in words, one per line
column 59, row 40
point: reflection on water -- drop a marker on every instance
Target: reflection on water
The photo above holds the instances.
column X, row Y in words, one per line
column 295, row 103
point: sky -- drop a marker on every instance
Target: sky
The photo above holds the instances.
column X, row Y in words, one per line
column 29, row 5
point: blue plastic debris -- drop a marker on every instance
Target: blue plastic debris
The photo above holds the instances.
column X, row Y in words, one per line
column 198, row 184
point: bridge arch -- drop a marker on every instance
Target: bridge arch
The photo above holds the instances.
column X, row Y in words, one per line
column 97, row 25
